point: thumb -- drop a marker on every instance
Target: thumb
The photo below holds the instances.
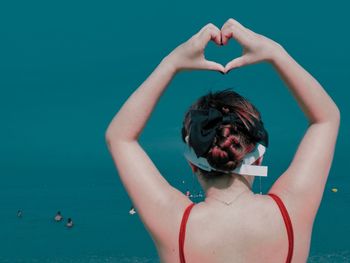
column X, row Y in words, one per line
column 237, row 62
column 211, row 65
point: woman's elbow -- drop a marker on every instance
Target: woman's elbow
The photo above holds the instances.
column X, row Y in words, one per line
column 336, row 115
column 335, row 118
column 331, row 115
column 108, row 137
column 114, row 136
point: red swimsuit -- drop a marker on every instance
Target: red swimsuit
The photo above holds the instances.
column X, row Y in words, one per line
column 284, row 213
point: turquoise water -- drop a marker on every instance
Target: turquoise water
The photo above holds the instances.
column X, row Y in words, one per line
column 66, row 68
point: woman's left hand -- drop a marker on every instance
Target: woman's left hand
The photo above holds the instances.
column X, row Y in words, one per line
column 190, row 54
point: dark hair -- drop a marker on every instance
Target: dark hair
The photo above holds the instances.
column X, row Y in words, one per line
column 232, row 142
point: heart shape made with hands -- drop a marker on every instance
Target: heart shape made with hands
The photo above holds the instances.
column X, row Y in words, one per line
column 191, row 54
column 223, row 54
column 231, row 29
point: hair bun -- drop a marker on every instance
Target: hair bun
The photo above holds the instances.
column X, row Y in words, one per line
column 239, row 131
column 227, row 151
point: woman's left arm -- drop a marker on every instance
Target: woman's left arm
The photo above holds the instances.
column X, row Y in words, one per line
column 156, row 201
column 129, row 122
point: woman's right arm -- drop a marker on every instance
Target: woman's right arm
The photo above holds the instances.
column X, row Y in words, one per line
column 302, row 184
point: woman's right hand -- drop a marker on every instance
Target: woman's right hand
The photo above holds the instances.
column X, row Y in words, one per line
column 256, row 47
column 190, row 54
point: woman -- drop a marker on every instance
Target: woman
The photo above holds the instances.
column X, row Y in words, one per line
column 232, row 224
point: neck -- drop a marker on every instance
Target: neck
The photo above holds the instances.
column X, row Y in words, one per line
column 227, row 186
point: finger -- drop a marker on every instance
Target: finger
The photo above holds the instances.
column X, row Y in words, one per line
column 233, row 29
column 236, row 63
column 210, row 32
column 233, row 22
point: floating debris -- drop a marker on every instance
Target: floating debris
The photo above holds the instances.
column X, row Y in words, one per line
column 132, row 211
column 19, row 213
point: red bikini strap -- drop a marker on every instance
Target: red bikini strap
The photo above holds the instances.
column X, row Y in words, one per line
column 183, row 232
column 288, row 224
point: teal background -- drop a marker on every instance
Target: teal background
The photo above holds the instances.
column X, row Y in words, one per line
column 66, row 67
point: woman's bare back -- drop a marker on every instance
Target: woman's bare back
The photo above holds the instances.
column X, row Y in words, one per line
column 250, row 230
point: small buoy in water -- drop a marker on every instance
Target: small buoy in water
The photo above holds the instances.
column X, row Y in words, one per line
column 334, row 190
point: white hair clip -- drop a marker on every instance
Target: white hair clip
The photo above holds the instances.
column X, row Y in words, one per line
column 245, row 168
